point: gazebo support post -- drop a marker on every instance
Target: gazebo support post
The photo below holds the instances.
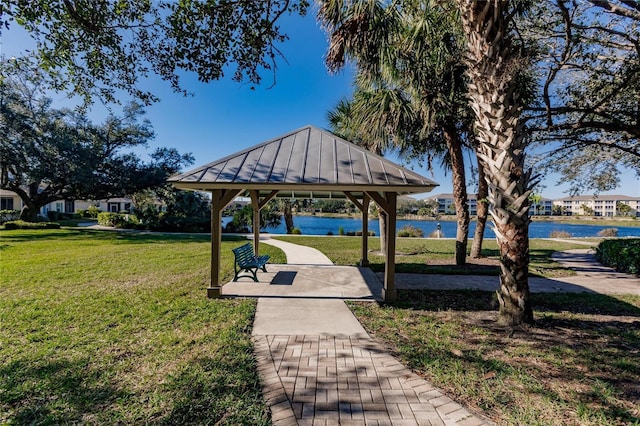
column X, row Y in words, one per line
column 389, row 290
column 220, row 198
column 388, row 203
column 364, row 259
column 364, row 209
column 257, row 205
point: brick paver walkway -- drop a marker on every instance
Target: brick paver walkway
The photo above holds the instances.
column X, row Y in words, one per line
column 347, row 380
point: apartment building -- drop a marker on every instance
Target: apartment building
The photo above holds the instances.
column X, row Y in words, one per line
column 447, row 206
column 589, row 205
column 599, row 205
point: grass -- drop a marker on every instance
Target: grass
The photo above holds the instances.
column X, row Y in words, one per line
column 578, row 365
column 105, row 327
column 434, row 256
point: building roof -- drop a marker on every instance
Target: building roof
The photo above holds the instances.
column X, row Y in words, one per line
column 7, row 193
column 446, row 196
column 305, row 163
column 598, row 197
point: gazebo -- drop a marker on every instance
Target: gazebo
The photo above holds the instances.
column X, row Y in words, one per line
column 306, row 163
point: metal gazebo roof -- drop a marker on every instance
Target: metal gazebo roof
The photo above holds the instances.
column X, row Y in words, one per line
column 305, row 163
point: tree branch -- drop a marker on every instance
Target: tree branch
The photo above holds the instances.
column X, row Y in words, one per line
column 633, row 12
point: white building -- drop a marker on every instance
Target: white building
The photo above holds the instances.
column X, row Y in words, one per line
column 599, row 205
column 447, row 206
column 589, row 205
column 9, row 200
column 542, row 208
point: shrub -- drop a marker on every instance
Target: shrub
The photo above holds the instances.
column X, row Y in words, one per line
column 53, row 215
column 559, row 234
column 329, row 233
column 21, row 224
column 92, row 212
column 9, row 215
column 296, row 231
column 183, row 224
column 621, row 254
column 410, row 231
column 436, row 234
column 341, row 231
column 359, row 234
column 118, row 220
column 608, row 232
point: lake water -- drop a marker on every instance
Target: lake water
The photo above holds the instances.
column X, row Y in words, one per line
column 314, row 225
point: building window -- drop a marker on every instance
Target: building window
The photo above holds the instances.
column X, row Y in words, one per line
column 6, row 203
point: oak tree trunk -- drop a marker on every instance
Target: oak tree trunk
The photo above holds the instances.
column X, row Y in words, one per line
column 29, row 213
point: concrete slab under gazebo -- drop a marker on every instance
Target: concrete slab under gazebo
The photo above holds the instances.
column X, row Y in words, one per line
column 306, row 163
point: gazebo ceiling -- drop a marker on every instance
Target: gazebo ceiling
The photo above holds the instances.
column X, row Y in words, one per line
column 305, row 163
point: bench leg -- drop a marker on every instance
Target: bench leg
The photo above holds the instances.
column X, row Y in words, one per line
column 253, row 275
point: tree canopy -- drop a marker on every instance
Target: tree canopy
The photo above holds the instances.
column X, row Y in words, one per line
column 49, row 154
column 587, row 116
column 94, row 49
column 410, row 84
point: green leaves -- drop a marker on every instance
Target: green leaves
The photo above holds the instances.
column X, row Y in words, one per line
column 589, row 86
column 59, row 154
column 95, row 49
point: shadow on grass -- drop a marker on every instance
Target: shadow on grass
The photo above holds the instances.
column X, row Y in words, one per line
column 578, row 364
column 56, row 392
column 478, row 300
column 130, row 236
column 444, row 269
column 221, row 390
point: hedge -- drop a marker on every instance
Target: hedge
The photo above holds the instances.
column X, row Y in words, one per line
column 621, row 254
column 21, row 224
column 164, row 223
column 9, row 216
column 118, row 220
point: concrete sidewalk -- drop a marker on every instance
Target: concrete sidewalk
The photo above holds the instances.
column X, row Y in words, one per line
column 320, row 367
column 297, row 254
column 591, row 277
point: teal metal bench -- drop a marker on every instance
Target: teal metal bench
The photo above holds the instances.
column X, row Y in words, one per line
column 247, row 261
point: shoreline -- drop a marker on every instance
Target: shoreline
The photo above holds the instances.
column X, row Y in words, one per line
column 572, row 220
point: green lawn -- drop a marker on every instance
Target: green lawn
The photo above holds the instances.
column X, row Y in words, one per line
column 435, row 256
column 105, row 327
column 579, row 365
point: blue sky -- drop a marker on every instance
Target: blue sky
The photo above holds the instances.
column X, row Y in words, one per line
column 224, row 117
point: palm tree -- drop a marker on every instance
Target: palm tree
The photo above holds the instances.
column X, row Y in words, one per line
column 409, row 86
column 284, row 204
column 482, row 211
column 497, row 70
column 343, row 124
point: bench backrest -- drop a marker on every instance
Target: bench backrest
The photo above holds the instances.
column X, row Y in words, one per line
column 244, row 253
